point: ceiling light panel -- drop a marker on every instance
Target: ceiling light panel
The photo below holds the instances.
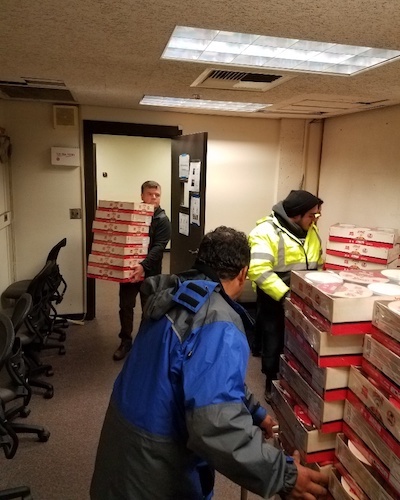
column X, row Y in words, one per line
column 175, row 102
column 244, row 49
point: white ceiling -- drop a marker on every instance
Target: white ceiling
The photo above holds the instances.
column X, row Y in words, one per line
column 107, row 53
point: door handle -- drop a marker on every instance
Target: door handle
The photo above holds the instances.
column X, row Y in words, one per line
column 194, row 252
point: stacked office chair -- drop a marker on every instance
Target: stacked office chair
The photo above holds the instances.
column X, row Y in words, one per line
column 56, row 288
column 15, row 392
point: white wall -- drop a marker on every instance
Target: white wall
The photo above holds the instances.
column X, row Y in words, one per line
column 244, row 163
column 42, row 197
column 130, row 161
column 360, row 170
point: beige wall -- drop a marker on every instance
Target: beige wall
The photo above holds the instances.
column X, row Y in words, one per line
column 360, row 170
column 244, row 167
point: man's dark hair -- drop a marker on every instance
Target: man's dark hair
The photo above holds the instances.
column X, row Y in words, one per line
column 150, row 185
column 226, row 251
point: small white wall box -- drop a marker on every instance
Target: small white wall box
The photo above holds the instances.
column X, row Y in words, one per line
column 65, row 156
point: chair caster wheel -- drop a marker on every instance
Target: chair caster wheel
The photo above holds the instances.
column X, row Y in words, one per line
column 44, row 436
column 24, row 413
column 61, row 351
column 63, row 337
column 49, row 372
column 48, row 394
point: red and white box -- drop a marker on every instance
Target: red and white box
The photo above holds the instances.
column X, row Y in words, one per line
column 372, row 484
column 365, row 235
column 123, row 217
column 121, row 275
column 335, row 262
column 339, row 492
column 313, row 445
column 338, row 302
column 105, row 249
column 381, row 381
column 386, row 319
column 382, row 358
column 120, row 228
column 322, row 323
column 369, row 253
column 329, row 383
column 322, row 342
column 377, row 401
column 125, row 240
column 326, row 415
column 127, row 206
column 374, row 435
column 114, row 262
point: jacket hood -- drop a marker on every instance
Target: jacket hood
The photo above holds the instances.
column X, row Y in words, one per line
column 286, row 222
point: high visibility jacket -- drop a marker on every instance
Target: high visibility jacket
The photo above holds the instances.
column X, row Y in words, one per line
column 275, row 252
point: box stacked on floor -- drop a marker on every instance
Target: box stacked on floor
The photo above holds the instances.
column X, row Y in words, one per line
column 372, row 412
column 120, row 239
column 323, row 339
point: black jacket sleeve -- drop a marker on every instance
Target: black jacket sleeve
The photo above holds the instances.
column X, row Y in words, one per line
column 160, row 234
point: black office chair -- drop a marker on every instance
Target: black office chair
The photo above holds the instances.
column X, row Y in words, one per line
column 15, row 391
column 16, row 289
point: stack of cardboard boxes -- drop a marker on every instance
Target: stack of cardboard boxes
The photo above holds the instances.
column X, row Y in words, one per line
column 326, row 323
column 353, row 247
column 368, row 451
column 120, row 239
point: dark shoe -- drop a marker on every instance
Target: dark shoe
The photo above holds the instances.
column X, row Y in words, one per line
column 122, row 350
column 267, row 396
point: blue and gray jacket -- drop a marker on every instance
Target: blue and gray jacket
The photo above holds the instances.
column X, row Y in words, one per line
column 180, row 407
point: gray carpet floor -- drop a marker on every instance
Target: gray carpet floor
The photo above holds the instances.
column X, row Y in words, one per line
column 61, row 468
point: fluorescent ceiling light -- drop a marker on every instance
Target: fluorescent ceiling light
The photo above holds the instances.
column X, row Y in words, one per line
column 241, row 49
column 176, row 102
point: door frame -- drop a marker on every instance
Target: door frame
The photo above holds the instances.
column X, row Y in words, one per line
column 90, row 128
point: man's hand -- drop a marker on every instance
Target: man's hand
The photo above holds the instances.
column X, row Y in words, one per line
column 310, row 484
column 138, row 273
column 267, row 426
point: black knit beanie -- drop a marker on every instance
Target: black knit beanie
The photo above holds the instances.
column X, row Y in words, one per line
column 299, row 202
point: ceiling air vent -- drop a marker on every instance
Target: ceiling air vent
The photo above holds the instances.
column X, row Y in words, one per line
column 239, row 80
column 35, row 89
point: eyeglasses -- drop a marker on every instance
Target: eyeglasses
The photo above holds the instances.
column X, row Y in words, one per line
column 315, row 215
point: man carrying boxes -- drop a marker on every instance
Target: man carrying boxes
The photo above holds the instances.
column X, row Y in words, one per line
column 160, row 234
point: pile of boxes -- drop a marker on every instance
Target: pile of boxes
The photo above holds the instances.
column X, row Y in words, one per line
column 353, row 247
column 324, row 335
column 120, row 239
column 368, row 451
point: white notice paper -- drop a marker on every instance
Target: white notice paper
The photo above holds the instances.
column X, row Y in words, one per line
column 183, row 224
column 194, row 176
column 195, row 210
column 184, row 160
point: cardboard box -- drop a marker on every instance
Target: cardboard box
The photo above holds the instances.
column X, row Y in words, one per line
column 361, row 234
column 106, row 249
column 126, row 240
column 111, row 261
column 381, row 380
column 313, row 445
column 329, row 383
column 335, row 262
column 335, row 309
column 326, row 415
column 336, row 488
column 128, row 206
column 123, row 217
column 104, row 273
column 317, row 319
column 376, row 401
column 369, row 253
column 386, row 320
column 124, row 229
column 371, row 483
column 375, row 437
column 382, row 358
column 322, row 342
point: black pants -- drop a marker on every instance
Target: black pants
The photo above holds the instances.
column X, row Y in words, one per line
column 270, row 327
column 127, row 301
